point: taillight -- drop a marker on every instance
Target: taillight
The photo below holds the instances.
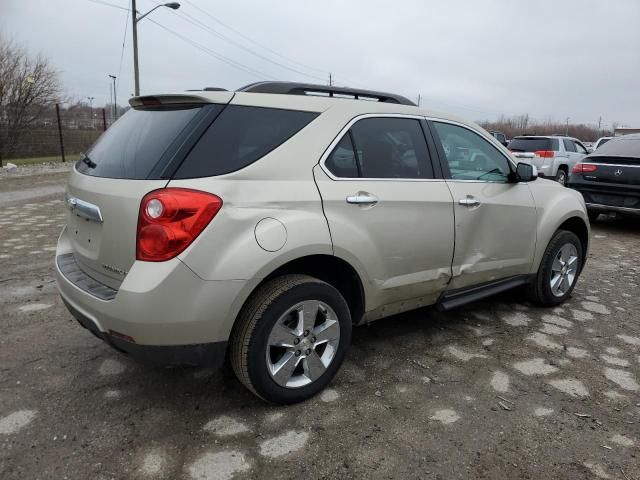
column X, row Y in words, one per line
column 544, row 153
column 584, row 168
column 170, row 219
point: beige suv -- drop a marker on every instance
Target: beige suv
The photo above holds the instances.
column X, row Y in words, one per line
column 261, row 225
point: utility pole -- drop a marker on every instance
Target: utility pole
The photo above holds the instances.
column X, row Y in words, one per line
column 567, row 129
column 419, row 99
column 599, row 122
column 91, row 109
column 60, row 132
column 115, row 98
column 134, row 25
column 330, row 80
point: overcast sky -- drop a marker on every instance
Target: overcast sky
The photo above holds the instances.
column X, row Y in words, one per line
column 550, row 59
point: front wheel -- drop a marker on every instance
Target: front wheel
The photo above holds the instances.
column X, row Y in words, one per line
column 290, row 338
column 558, row 271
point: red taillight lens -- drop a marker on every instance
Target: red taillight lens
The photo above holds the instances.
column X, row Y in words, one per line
column 170, row 219
column 544, row 153
column 584, row 168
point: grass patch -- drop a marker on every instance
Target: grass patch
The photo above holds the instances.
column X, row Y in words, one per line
column 38, row 160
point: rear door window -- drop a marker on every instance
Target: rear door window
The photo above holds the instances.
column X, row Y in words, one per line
column 238, row 137
column 580, row 148
column 138, row 141
column 569, row 146
column 382, row 147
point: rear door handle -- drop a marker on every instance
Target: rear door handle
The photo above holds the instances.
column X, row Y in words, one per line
column 469, row 201
column 362, row 198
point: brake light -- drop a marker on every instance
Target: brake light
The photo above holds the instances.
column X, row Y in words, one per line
column 584, row 168
column 544, row 153
column 170, row 219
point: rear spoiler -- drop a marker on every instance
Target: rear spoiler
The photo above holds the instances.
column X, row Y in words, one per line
column 176, row 99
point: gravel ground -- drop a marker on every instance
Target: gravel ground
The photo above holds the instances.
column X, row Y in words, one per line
column 499, row 389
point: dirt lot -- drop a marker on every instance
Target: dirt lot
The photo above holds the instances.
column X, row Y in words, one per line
column 499, row 389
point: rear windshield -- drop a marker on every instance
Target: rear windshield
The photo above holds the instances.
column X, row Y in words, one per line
column 134, row 144
column 533, row 144
column 240, row 136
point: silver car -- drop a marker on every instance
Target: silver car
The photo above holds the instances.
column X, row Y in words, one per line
column 554, row 156
column 262, row 225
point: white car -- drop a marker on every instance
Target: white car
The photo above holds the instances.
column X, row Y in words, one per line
column 554, row 156
column 601, row 141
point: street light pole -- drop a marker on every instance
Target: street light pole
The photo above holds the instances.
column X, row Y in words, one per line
column 115, row 98
column 134, row 23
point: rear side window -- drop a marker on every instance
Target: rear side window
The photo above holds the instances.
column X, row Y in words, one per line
column 533, row 144
column 569, row 146
column 134, row 144
column 240, row 136
column 382, row 148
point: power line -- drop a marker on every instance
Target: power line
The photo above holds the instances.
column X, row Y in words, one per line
column 240, row 34
column 124, row 40
column 101, row 2
column 213, row 53
column 194, row 21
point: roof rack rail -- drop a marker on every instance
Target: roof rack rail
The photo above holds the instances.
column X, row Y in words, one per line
column 293, row 88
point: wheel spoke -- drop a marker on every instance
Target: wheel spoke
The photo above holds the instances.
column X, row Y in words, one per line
column 284, row 368
column 557, row 264
column 327, row 332
column 572, row 260
column 281, row 336
column 307, row 315
column 555, row 282
column 564, row 285
column 313, row 366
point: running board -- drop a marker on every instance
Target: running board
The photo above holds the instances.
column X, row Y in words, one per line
column 462, row 296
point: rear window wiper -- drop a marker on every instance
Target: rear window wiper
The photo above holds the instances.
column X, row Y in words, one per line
column 87, row 161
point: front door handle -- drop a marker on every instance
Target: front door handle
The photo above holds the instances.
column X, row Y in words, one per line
column 469, row 201
column 362, row 198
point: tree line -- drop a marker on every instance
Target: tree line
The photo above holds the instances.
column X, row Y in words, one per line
column 524, row 125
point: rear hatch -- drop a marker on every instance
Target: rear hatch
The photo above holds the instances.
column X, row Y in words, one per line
column 534, row 150
column 136, row 155
column 617, row 170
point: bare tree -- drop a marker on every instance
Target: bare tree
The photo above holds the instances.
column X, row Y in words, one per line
column 28, row 86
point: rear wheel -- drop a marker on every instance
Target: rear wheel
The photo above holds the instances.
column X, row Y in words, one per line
column 558, row 271
column 561, row 176
column 290, row 338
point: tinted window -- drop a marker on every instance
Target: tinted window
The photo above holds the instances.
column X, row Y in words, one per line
column 569, row 146
column 240, row 136
column 134, row 144
column 531, row 144
column 342, row 161
column 471, row 157
column 603, row 141
column 580, row 148
column 391, row 148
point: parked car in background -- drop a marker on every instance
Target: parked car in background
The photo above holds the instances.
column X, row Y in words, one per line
column 601, row 141
column 588, row 146
column 261, row 225
column 609, row 178
column 554, row 156
column 501, row 137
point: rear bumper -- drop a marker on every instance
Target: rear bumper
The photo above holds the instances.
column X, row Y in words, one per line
column 606, row 197
column 203, row 354
column 170, row 315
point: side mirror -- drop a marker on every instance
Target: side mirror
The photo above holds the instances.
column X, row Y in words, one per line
column 526, row 172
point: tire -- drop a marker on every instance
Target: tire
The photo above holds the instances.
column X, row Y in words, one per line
column 561, row 176
column 540, row 290
column 593, row 215
column 276, row 310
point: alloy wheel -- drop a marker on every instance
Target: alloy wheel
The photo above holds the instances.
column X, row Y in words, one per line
column 302, row 344
column 564, row 270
